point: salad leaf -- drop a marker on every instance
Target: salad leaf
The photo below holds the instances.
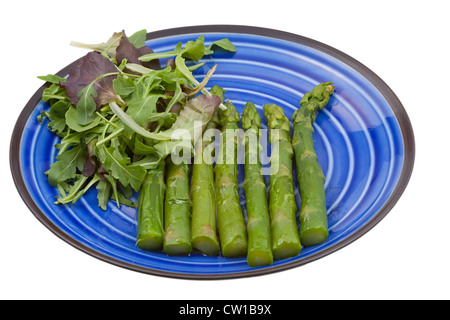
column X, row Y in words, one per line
column 66, row 166
column 119, row 114
column 88, row 74
column 129, row 122
column 181, row 66
column 73, row 122
column 138, row 38
column 118, row 164
column 86, row 106
column 127, row 50
column 52, row 78
column 195, row 116
column 142, row 108
column 109, row 47
column 74, row 191
column 195, row 50
column 54, row 92
column 224, row 44
column 104, row 193
column 124, row 86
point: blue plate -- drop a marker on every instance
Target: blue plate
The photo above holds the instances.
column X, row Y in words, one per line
column 364, row 142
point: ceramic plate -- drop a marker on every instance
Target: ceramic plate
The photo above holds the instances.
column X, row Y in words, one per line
column 364, row 142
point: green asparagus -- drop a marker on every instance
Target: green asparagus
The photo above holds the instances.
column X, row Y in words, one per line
column 259, row 239
column 204, row 227
column 150, row 229
column 313, row 213
column 282, row 206
column 177, row 210
column 231, row 223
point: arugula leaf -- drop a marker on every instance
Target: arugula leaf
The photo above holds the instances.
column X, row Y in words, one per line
column 177, row 97
column 138, row 38
column 129, row 122
column 224, row 44
column 194, row 50
column 74, row 191
column 108, row 186
column 104, row 193
column 143, row 149
column 60, row 107
column 72, row 120
column 124, row 86
column 86, row 106
column 56, row 116
column 52, row 78
column 121, row 199
column 142, row 108
column 181, row 66
column 66, row 166
column 150, row 161
column 54, row 92
column 113, row 184
column 161, row 55
column 164, row 119
column 118, row 165
column 90, row 72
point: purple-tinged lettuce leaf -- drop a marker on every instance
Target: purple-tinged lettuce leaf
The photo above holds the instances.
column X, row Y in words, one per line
column 87, row 70
column 90, row 161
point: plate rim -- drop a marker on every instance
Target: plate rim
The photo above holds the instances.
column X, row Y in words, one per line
column 393, row 101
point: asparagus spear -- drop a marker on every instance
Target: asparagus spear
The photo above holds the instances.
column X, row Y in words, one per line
column 282, row 207
column 177, row 210
column 231, row 223
column 150, row 229
column 203, row 226
column 259, row 239
column 313, row 213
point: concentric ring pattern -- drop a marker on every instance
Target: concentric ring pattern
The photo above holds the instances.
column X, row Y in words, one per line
column 358, row 140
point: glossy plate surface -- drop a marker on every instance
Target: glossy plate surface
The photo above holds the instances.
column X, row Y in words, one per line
column 364, row 142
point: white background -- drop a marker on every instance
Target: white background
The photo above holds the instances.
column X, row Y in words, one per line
column 406, row 256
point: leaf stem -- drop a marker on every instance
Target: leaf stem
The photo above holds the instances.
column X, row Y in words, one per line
column 181, row 66
column 72, row 196
column 112, row 43
column 94, row 180
column 112, row 135
column 108, row 121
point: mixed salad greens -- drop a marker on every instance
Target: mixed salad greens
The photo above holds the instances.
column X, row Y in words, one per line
column 117, row 110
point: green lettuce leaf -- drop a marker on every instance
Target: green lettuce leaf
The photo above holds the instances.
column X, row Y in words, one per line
column 66, row 166
column 118, row 165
